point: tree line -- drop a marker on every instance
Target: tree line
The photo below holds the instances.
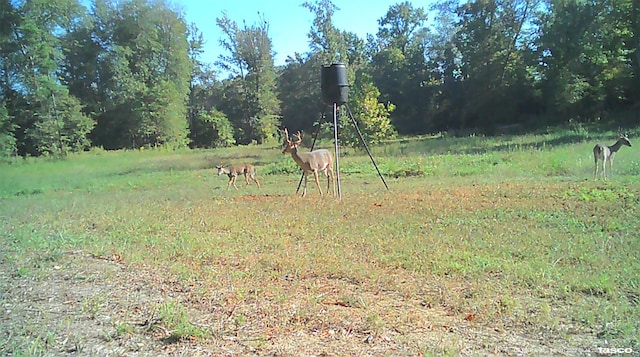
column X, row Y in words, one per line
column 128, row 74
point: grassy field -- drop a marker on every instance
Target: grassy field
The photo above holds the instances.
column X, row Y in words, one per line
column 481, row 246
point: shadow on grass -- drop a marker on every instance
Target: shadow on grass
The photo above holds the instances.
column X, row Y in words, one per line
column 540, row 144
column 479, row 144
column 185, row 164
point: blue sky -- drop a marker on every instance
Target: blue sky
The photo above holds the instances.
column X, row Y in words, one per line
column 289, row 22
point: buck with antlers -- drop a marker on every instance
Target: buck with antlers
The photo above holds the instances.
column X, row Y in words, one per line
column 249, row 172
column 313, row 161
column 606, row 154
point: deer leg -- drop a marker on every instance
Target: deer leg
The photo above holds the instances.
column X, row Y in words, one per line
column 611, row 166
column 304, row 189
column 326, row 173
column 604, row 169
column 333, row 183
column 246, row 178
column 252, row 176
column 315, row 176
column 233, row 180
column 329, row 174
column 595, row 170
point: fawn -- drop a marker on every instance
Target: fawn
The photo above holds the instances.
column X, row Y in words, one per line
column 249, row 172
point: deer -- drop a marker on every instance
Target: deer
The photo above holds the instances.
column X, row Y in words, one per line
column 233, row 171
column 605, row 153
column 310, row 162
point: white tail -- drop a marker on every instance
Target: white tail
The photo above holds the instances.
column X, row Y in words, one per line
column 314, row 161
column 606, row 154
column 249, row 171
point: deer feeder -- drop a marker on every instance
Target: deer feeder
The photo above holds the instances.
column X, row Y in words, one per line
column 334, row 84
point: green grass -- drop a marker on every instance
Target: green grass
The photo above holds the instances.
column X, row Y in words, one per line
column 512, row 230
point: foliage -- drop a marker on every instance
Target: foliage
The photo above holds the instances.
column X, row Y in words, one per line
column 210, row 130
column 130, row 74
column 45, row 118
column 144, row 54
column 7, row 137
column 64, row 129
column 299, row 93
column 398, row 66
column 324, row 38
column 371, row 116
column 282, row 167
column 585, row 74
column 486, row 76
column 254, row 99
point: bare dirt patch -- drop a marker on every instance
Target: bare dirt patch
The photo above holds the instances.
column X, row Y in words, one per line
column 87, row 305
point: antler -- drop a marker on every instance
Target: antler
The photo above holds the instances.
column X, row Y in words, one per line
column 298, row 137
column 286, row 135
column 622, row 133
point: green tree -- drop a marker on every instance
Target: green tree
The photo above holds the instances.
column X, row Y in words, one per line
column 402, row 27
column 443, row 75
column 208, row 127
column 77, row 68
column 144, row 70
column 587, row 56
column 398, row 67
column 325, row 39
column 8, row 146
column 372, row 117
column 299, row 92
column 60, row 125
column 212, row 129
column 483, row 72
column 634, row 24
column 47, row 119
column 8, row 126
column 250, row 61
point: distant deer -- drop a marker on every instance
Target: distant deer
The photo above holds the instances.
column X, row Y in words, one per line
column 606, row 154
column 249, row 171
column 314, row 161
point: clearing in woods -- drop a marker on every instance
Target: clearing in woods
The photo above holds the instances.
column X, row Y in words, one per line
column 171, row 263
